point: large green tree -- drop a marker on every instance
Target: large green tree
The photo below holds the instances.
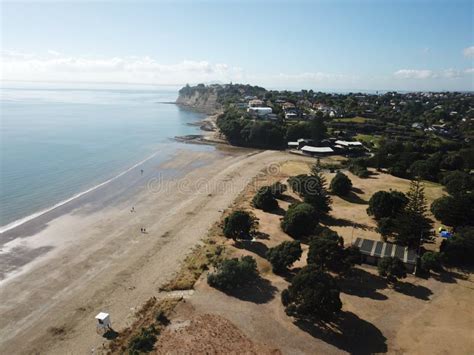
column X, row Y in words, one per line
column 300, row 220
column 233, row 273
column 312, row 295
column 341, row 185
column 385, row 204
column 239, row 225
column 284, row 255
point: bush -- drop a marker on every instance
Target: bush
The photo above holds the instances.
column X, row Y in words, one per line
column 392, row 268
column 284, row 255
column 431, row 261
column 358, row 167
column 312, row 295
column 385, row 204
column 341, row 185
column 264, row 199
column 144, row 341
column 239, row 224
column 232, row 273
column 300, row 219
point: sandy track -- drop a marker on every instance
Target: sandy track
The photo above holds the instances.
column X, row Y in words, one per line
column 104, row 263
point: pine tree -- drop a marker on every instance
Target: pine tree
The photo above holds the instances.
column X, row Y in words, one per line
column 413, row 225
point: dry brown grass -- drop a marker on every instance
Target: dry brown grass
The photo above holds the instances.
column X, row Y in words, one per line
column 153, row 313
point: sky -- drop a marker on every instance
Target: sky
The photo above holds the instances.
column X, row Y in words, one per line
column 326, row 45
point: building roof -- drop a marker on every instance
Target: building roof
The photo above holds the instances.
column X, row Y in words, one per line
column 293, row 144
column 381, row 250
column 308, row 148
column 348, row 144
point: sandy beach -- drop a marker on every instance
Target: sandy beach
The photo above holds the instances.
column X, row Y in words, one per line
column 97, row 259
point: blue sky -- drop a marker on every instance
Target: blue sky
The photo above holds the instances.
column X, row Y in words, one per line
column 323, row 45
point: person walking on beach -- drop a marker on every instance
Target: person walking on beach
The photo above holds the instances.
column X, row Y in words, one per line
column 141, row 171
column 132, row 210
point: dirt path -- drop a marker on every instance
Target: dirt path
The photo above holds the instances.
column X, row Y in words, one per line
column 105, row 264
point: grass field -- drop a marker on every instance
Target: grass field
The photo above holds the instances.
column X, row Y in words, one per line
column 356, row 119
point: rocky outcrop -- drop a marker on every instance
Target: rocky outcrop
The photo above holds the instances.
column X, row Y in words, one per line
column 199, row 98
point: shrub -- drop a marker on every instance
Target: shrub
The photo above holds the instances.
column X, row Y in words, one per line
column 341, row 185
column 144, row 341
column 431, row 261
column 312, row 294
column 264, row 199
column 284, row 255
column 232, row 273
column 392, row 268
column 300, row 219
column 239, row 224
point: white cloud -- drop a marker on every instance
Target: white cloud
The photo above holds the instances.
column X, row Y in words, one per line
column 55, row 66
column 469, row 71
column 469, row 52
column 414, row 74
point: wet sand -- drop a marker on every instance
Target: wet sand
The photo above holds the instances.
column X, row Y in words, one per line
column 92, row 257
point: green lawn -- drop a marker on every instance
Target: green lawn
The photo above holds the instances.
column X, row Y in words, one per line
column 356, row 119
column 368, row 138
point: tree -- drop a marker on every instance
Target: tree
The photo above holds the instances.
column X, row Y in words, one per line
column 284, row 255
column 239, row 224
column 312, row 295
column 431, row 261
column 264, row 199
column 232, row 273
column 392, row 268
column 459, row 249
column 318, row 130
column 458, row 182
column 300, row 219
column 412, row 225
column 328, row 253
column 385, row 204
column 454, row 211
column 313, row 189
column 341, row 185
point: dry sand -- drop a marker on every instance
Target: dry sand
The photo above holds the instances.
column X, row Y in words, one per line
column 101, row 261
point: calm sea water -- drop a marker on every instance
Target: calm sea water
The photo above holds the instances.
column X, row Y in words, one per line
column 58, row 143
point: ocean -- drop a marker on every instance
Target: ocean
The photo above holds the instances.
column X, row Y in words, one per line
column 58, row 144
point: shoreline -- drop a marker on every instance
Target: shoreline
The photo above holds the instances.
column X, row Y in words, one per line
column 100, row 261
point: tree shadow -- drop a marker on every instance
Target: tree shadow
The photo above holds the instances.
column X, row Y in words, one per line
column 260, row 291
column 278, row 211
column 342, row 222
column 348, row 333
column 364, row 284
column 357, row 190
column 288, row 274
column 289, row 199
column 354, row 198
column 253, row 246
column 417, row 291
column 261, row 235
column 110, row 334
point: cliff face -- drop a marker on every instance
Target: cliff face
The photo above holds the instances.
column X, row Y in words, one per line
column 199, row 99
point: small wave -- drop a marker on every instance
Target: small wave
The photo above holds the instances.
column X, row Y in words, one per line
column 21, row 221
